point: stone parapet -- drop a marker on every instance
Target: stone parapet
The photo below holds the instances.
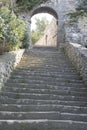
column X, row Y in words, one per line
column 8, row 62
column 78, row 55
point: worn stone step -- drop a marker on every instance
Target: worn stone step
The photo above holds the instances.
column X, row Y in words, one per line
column 45, row 91
column 52, row 115
column 42, row 88
column 44, row 71
column 62, row 86
column 42, row 125
column 50, row 63
column 46, row 78
column 7, row 100
column 43, row 75
column 43, row 81
column 53, row 65
column 43, row 108
column 55, row 62
column 41, row 70
column 43, row 96
column 46, row 74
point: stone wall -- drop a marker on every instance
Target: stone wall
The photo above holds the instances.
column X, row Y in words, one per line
column 8, row 62
column 76, row 32
column 72, row 33
column 78, row 56
column 82, row 23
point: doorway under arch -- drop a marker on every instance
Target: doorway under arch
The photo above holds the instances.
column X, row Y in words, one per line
column 51, row 11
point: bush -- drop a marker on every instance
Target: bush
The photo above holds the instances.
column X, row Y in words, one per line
column 12, row 29
column 25, row 42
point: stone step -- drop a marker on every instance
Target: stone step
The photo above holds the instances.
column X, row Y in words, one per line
column 7, row 100
column 43, row 75
column 53, row 65
column 42, row 125
column 42, row 67
column 46, row 74
column 52, row 115
column 52, row 70
column 62, row 86
column 43, row 81
column 43, row 70
column 53, row 78
column 43, row 96
column 43, row 108
column 45, row 91
column 53, row 60
column 26, row 87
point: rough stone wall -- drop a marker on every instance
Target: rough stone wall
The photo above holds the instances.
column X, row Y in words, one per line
column 64, row 7
column 78, row 56
column 74, row 35
column 75, row 32
column 8, row 62
column 82, row 23
column 50, row 35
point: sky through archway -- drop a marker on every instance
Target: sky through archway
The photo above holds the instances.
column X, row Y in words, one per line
column 40, row 15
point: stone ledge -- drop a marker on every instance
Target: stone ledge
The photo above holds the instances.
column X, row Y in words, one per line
column 8, row 62
column 78, row 56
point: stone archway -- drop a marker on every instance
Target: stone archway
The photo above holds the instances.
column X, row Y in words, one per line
column 43, row 8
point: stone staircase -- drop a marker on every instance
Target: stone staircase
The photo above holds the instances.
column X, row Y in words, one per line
column 44, row 92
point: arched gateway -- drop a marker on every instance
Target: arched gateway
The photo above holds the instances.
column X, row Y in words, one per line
column 46, row 8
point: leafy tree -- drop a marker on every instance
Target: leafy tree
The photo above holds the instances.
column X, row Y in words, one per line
column 12, row 29
column 41, row 25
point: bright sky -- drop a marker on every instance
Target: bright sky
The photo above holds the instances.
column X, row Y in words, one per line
column 40, row 15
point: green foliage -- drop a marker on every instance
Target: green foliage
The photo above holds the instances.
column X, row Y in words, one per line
column 4, row 2
column 41, row 25
column 25, row 5
column 75, row 16
column 82, row 6
column 35, row 36
column 25, row 42
column 11, row 28
column 81, row 11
